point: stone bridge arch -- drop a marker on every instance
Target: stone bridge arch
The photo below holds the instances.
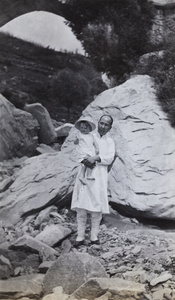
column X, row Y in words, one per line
column 164, row 20
column 11, row 9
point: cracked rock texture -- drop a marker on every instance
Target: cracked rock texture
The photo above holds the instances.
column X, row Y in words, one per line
column 141, row 180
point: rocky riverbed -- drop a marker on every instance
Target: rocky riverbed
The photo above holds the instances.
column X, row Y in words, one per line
column 133, row 261
column 128, row 251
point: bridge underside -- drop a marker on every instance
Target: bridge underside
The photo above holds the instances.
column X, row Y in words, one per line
column 10, row 9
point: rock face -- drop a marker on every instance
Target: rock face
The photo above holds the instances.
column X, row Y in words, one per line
column 141, row 181
column 46, row 133
column 142, row 176
column 18, row 131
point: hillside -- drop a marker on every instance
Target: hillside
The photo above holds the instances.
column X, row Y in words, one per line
column 30, row 73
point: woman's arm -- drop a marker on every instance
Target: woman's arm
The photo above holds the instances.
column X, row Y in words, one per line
column 90, row 161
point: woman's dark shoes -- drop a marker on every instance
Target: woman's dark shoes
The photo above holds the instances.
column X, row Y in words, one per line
column 96, row 242
column 76, row 244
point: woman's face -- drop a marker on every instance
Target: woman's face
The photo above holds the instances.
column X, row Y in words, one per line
column 104, row 125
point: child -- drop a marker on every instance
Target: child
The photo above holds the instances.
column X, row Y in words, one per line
column 86, row 146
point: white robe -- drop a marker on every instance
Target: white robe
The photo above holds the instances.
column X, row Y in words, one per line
column 93, row 196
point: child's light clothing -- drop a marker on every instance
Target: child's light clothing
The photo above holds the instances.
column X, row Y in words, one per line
column 86, row 146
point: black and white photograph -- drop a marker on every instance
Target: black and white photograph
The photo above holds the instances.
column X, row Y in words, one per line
column 87, row 149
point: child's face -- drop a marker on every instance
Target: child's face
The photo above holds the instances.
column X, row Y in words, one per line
column 85, row 128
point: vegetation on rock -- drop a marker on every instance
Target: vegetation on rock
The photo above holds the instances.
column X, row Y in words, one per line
column 161, row 66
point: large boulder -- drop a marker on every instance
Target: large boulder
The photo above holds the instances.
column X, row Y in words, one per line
column 142, row 178
column 47, row 133
column 18, row 131
column 141, row 181
column 72, row 270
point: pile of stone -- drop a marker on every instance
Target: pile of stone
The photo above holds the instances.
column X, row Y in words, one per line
column 38, row 260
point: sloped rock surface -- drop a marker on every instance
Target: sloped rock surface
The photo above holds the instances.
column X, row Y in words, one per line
column 43, row 181
column 18, row 131
column 141, row 181
column 31, row 244
column 23, row 286
column 42, row 148
column 142, row 176
column 116, row 287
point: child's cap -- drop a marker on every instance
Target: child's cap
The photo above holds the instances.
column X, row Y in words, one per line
column 85, row 119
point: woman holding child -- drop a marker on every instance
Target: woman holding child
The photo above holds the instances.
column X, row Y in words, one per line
column 97, row 151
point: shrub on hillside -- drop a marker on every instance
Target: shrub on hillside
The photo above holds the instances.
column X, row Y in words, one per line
column 28, row 69
column 69, row 89
column 17, row 98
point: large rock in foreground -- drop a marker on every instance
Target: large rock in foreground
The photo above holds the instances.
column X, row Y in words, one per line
column 72, row 270
column 18, row 131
